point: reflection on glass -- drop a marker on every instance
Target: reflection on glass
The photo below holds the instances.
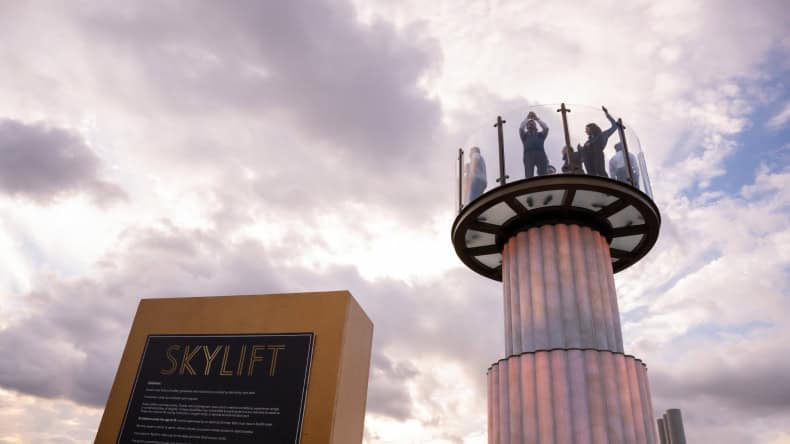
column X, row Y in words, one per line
column 618, row 165
column 592, row 200
column 498, row 214
column 626, row 217
column 490, row 260
column 626, row 243
column 475, row 177
column 541, row 199
column 476, row 238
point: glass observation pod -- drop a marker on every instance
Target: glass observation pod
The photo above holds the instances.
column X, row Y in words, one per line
column 594, row 171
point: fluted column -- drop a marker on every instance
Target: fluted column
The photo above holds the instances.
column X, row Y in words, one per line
column 571, row 396
column 559, row 291
column 565, row 378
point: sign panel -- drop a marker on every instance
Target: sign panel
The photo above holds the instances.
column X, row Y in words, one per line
column 247, row 388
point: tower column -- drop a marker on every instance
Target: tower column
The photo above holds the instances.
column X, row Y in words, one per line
column 555, row 242
column 559, row 291
column 565, row 378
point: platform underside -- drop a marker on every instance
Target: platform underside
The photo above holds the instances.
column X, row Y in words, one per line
column 628, row 218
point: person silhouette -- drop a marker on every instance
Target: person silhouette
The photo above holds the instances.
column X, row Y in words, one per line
column 533, row 140
column 618, row 169
column 592, row 151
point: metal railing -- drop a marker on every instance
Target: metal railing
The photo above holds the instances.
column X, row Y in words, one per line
column 536, row 145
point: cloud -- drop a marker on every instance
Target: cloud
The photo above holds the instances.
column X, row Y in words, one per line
column 42, row 163
column 779, row 119
column 311, row 66
column 705, row 311
column 25, row 417
column 59, row 355
column 291, row 147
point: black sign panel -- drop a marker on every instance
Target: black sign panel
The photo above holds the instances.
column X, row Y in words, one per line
column 219, row 389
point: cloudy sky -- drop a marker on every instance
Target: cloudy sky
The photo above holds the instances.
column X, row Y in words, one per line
column 168, row 148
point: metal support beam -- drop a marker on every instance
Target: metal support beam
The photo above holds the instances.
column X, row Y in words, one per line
column 460, row 178
column 502, row 177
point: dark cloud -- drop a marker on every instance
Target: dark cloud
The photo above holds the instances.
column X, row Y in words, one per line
column 755, row 382
column 41, row 163
column 309, row 63
column 304, row 95
column 387, row 391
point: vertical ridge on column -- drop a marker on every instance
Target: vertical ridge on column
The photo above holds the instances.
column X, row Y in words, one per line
column 613, row 305
column 626, row 411
column 504, row 417
column 525, row 292
column 507, row 253
column 615, row 426
column 618, row 331
column 596, row 303
column 636, row 401
column 493, row 405
column 529, row 399
column 515, row 413
column 606, row 296
column 570, row 312
column 551, row 286
column 647, row 405
column 539, row 321
column 582, row 293
column 543, row 388
column 515, row 304
column 596, row 401
column 579, row 390
column 560, row 398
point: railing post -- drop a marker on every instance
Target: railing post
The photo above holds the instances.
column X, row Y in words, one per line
column 567, row 150
column 564, row 111
column 460, row 179
column 502, row 178
column 621, row 132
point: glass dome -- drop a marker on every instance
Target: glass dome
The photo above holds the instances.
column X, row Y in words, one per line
column 480, row 167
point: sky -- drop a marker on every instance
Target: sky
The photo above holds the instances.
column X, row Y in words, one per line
column 183, row 148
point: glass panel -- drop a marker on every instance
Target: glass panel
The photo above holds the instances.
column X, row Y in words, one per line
column 475, row 172
column 541, row 199
column 490, row 260
column 626, row 217
column 476, row 238
column 626, row 243
column 532, row 130
column 592, row 200
column 645, row 179
column 498, row 214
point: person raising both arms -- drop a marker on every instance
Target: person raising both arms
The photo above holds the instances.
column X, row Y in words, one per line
column 533, row 140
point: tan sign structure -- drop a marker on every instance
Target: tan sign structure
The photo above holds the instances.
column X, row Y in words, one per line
column 283, row 368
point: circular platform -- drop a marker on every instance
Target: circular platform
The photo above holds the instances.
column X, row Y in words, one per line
column 627, row 217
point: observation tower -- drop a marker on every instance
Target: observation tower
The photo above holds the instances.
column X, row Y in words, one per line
column 555, row 240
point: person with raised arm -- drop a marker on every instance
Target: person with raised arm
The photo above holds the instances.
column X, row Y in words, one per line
column 533, row 140
column 592, row 151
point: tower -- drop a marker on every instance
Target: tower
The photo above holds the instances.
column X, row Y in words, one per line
column 555, row 242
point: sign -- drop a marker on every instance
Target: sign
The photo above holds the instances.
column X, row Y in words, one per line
column 242, row 369
column 246, row 388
